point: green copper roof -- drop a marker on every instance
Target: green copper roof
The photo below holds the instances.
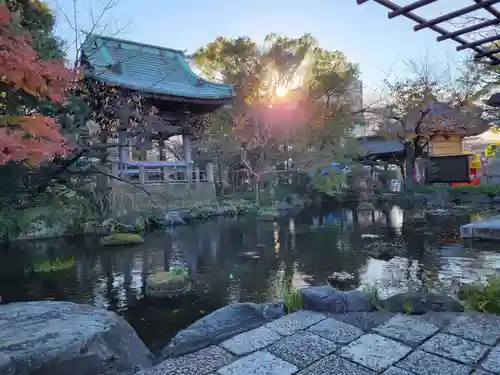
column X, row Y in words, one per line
column 151, row 69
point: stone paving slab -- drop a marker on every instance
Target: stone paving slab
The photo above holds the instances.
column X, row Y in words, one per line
column 294, row 322
column 483, row 328
column 251, row 341
column 374, row 351
column 302, row 349
column 202, row 362
column 492, row 362
column 422, row 363
column 334, row 365
column 258, row 363
column 456, row 348
column 396, row 371
column 310, row 343
column 336, row 331
column 363, row 320
column 408, row 329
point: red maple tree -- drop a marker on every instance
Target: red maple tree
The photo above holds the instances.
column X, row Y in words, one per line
column 25, row 134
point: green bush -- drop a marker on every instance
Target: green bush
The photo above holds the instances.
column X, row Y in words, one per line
column 482, row 297
column 490, row 190
column 421, row 188
column 122, row 239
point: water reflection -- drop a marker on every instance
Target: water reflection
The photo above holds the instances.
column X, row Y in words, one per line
column 303, row 250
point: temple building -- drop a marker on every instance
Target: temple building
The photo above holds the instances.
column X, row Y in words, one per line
column 166, row 82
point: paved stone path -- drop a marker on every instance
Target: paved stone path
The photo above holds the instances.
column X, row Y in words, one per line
column 311, row 343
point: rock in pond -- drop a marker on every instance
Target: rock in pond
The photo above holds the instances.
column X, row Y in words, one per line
column 220, row 325
column 341, row 280
column 167, row 284
column 383, row 250
column 269, row 214
column 122, row 239
column 174, row 218
column 421, row 303
column 331, row 300
column 60, row 338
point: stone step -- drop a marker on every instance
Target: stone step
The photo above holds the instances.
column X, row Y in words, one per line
column 488, row 229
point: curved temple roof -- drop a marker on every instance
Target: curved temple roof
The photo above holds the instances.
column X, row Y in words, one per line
column 150, row 69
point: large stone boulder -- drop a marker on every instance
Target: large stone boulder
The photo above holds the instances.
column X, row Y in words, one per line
column 60, row 338
column 331, row 300
column 220, row 325
column 421, row 303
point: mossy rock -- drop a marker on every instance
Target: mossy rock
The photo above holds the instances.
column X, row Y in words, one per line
column 167, row 284
column 122, row 239
column 268, row 214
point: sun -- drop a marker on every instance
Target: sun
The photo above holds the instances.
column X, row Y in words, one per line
column 281, row 91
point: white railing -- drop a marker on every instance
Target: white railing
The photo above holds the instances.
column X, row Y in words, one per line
column 161, row 172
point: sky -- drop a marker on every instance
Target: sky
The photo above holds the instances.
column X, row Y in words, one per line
column 363, row 32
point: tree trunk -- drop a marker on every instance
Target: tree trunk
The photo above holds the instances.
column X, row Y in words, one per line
column 102, row 181
column 410, row 157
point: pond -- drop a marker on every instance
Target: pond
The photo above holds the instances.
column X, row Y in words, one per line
column 305, row 250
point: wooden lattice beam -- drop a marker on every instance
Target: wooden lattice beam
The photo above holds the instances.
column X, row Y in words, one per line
column 482, row 47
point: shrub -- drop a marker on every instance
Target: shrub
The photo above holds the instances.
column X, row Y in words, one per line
column 122, row 239
column 482, row 297
column 489, row 190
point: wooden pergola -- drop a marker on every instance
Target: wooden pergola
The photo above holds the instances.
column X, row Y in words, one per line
column 486, row 49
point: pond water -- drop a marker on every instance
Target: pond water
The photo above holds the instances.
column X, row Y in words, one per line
column 305, row 250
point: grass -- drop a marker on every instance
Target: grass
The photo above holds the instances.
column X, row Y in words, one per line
column 59, row 264
column 482, row 297
column 374, row 296
column 292, row 299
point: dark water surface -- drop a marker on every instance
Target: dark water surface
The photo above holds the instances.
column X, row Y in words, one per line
column 305, row 250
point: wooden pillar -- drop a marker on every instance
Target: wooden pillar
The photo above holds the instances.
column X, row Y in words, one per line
column 197, row 174
column 142, row 177
column 161, row 148
column 123, row 147
column 186, row 143
column 209, row 170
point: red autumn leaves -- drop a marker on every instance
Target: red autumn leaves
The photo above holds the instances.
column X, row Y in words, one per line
column 29, row 138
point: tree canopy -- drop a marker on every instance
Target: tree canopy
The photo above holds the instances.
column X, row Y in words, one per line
column 291, row 100
column 28, row 83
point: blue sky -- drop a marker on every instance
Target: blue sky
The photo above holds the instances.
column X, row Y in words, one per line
column 362, row 32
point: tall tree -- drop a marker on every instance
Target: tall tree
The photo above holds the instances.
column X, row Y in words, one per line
column 291, row 101
column 425, row 104
column 28, row 83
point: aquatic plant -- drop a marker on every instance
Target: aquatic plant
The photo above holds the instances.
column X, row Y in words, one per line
column 292, row 299
column 483, row 297
column 59, row 264
column 374, row 296
column 408, row 306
